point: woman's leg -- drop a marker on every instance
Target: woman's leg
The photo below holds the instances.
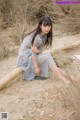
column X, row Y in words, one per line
column 58, row 72
column 46, row 58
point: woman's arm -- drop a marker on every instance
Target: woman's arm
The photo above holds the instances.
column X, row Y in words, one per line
column 35, row 61
column 35, row 52
column 36, row 67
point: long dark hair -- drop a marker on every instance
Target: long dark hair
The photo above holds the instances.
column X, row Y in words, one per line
column 46, row 21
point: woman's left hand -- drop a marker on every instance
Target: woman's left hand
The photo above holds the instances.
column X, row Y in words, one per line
column 34, row 49
column 46, row 51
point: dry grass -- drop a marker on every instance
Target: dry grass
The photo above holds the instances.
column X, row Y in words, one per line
column 14, row 12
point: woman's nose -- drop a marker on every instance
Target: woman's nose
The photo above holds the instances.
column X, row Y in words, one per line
column 47, row 28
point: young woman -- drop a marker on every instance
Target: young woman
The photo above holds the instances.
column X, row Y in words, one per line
column 32, row 56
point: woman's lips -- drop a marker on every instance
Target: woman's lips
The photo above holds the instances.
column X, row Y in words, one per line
column 46, row 31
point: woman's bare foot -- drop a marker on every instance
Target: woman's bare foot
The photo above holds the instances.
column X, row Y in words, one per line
column 66, row 76
column 65, row 80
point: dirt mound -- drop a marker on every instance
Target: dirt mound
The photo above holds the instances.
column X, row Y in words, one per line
column 41, row 100
column 65, row 61
column 48, row 99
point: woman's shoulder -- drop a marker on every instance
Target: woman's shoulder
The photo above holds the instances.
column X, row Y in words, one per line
column 39, row 36
column 28, row 36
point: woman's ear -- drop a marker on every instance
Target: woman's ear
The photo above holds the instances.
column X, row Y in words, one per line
column 41, row 26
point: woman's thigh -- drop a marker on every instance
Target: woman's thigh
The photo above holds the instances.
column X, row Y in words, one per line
column 43, row 57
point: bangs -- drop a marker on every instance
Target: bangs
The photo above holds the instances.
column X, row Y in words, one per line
column 47, row 23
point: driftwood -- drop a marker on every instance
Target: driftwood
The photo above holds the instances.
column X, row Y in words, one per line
column 67, row 47
column 5, row 80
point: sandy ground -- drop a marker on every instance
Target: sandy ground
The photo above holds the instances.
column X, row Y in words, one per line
column 48, row 99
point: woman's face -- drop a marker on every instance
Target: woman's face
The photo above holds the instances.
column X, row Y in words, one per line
column 45, row 29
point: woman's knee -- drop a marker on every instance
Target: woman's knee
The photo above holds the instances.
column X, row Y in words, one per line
column 47, row 55
column 43, row 57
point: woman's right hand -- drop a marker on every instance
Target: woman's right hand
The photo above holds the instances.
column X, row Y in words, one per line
column 37, row 71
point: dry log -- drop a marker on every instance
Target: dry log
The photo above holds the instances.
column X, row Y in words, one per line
column 67, row 47
column 5, row 80
column 71, row 46
column 18, row 71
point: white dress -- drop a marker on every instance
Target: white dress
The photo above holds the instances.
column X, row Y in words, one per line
column 45, row 60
